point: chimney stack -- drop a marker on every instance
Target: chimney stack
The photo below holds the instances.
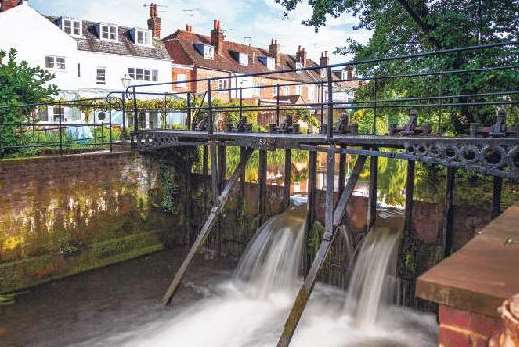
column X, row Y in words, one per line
column 325, row 60
column 275, row 51
column 301, row 55
column 8, row 4
column 155, row 22
column 189, row 28
column 217, row 37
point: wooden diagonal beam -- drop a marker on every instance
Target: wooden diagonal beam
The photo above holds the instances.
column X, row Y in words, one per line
column 326, row 244
column 208, row 226
column 340, row 210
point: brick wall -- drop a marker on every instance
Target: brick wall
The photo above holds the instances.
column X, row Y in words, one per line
column 466, row 329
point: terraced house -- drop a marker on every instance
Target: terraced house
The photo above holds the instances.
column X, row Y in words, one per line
column 89, row 58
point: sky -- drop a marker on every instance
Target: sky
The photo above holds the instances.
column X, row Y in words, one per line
column 253, row 22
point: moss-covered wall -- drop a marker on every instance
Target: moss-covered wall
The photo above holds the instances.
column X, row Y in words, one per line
column 63, row 215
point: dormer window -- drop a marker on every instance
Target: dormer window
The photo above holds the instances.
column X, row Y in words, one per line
column 344, row 75
column 108, row 32
column 71, row 26
column 141, row 37
column 242, row 58
column 207, row 51
column 269, row 62
column 298, row 67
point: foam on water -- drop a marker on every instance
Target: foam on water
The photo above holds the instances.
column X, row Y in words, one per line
column 250, row 309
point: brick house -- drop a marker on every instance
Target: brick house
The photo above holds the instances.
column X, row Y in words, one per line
column 212, row 56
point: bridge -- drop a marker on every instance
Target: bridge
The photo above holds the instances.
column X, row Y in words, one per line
column 490, row 149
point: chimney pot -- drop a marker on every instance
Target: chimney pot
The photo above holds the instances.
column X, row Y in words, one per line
column 155, row 22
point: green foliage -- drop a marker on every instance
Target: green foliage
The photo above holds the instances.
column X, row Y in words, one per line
column 20, row 85
column 407, row 27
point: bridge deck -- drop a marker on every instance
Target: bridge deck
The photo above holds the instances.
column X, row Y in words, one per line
column 279, row 140
column 491, row 156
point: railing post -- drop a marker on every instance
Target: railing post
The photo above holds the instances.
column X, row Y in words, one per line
column 241, row 103
column 124, row 114
column 321, row 92
column 61, row 130
column 374, row 130
column 164, row 122
column 210, row 107
column 329, row 126
column 277, row 104
column 135, row 113
column 110, row 125
column 188, row 120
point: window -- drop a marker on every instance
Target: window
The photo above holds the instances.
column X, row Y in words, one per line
column 299, row 66
column 101, row 75
column 108, row 32
column 207, row 51
column 71, row 26
column 43, row 114
column 143, row 74
column 285, row 90
column 142, row 37
column 58, row 113
column 180, row 78
column 299, row 90
column 222, row 84
column 139, row 74
column 241, row 58
column 55, row 63
column 269, row 62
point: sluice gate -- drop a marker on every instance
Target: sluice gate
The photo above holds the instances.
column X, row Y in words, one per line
column 488, row 150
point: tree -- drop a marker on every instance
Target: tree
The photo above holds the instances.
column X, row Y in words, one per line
column 21, row 86
column 402, row 27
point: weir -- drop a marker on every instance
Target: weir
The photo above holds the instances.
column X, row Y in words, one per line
column 279, row 252
column 493, row 151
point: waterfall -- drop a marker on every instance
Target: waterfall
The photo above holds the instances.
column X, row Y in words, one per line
column 249, row 308
column 373, row 283
column 272, row 259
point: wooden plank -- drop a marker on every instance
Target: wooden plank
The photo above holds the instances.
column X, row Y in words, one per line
column 448, row 214
column 214, row 171
column 287, row 178
column 312, row 203
column 326, row 244
column 372, row 195
column 409, row 198
column 496, row 196
column 342, row 172
column 206, row 229
column 222, row 165
column 348, row 190
column 262, row 182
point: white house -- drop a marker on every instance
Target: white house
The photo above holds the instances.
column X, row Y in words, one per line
column 89, row 59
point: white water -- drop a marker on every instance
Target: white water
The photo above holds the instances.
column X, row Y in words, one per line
column 250, row 309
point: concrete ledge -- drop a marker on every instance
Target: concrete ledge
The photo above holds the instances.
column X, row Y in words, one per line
column 30, row 272
column 480, row 276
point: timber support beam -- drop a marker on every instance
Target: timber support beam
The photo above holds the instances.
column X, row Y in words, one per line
column 220, row 202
